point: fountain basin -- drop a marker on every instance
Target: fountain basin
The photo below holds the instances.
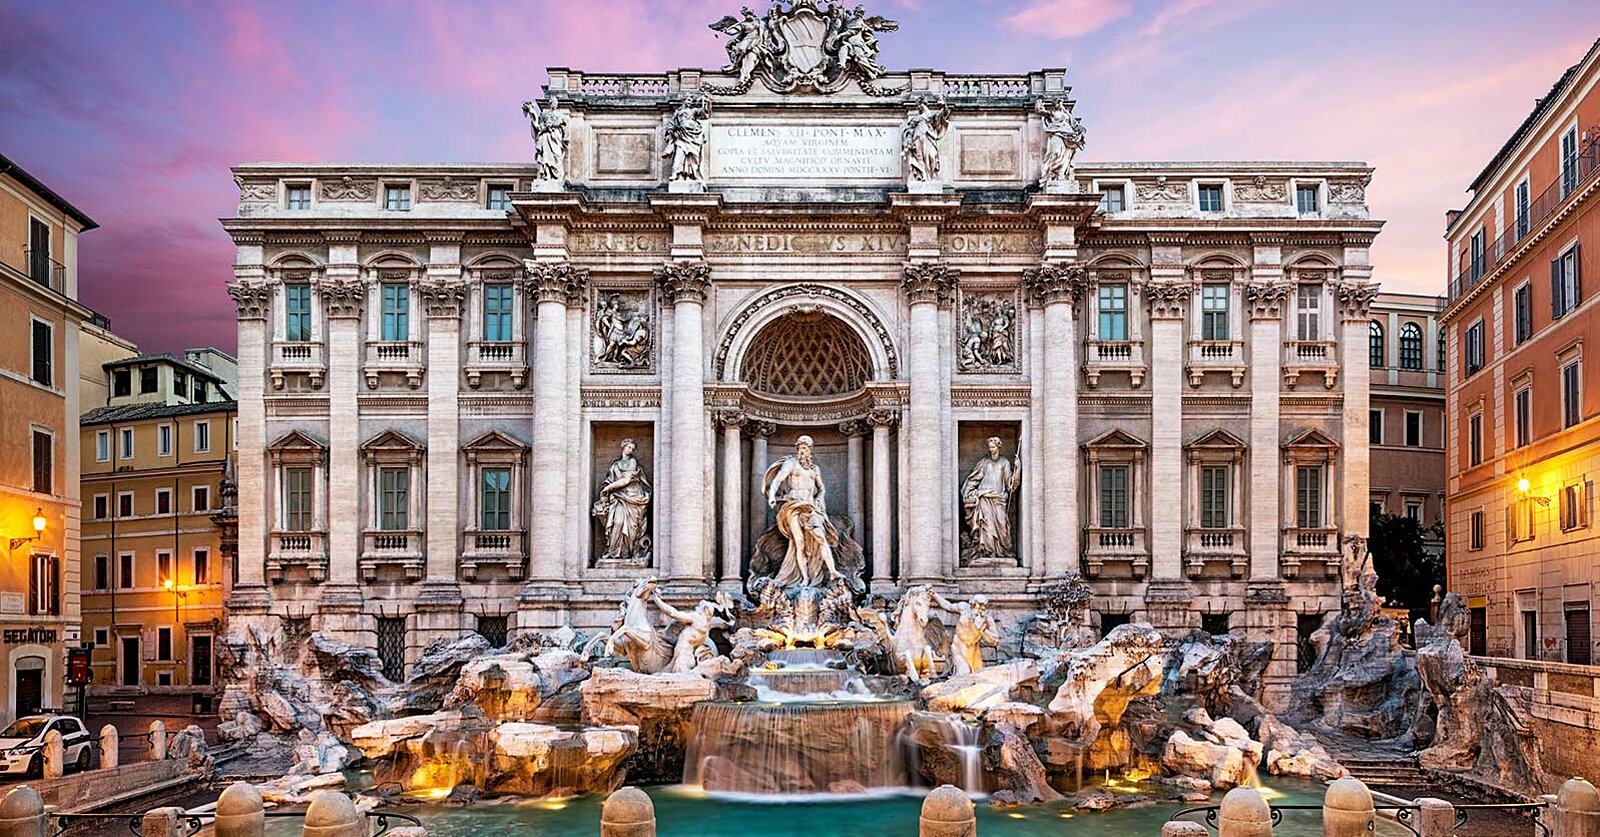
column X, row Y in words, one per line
column 798, row 747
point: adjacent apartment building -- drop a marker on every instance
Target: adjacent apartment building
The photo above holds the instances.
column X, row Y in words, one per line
column 1523, row 447
column 1406, row 418
column 155, row 458
column 40, row 319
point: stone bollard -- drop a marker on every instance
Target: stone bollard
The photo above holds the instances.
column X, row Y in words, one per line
column 1435, row 817
column 1244, row 814
column 1577, row 811
column 1183, row 828
column 239, row 812
column 1347, row 809
column 22, row 813
column 158, row 741
column 332, row 814
column 947, row 812
column 110, row 747
column 162, row 822
column 628, row 812
column 54, row 755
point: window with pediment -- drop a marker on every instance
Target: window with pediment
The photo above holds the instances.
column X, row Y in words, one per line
column 299, row 467
column 495, row 469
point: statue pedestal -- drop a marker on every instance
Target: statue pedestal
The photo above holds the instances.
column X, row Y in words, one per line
column 925, row 187
column 1062, row 187
column 685, row 187
column 548, row 186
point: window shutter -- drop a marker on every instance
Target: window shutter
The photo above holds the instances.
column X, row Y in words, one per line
column 33, row 585
column 1511, row 524
column 1555, row 288
column 1577, row 274
column 54, row 582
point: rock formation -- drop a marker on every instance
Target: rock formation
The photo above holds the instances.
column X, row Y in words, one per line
column 1361, row 683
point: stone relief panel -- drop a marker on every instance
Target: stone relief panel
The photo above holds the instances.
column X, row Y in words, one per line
column 1162, row 189
column 622, row 488
column 989, row 154
column 1261, row 190
column 625, row 153
column 990, row 469
column 622, row 330
column 449, row 189
column 987, row 330
column 347, row 188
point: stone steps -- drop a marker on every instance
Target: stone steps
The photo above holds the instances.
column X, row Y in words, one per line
column 1385, row 771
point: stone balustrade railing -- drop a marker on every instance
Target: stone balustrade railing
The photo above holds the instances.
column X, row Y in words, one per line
column 574, row 84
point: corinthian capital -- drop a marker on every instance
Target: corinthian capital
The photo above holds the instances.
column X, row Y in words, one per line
column 442, row 298
column 1168, row 300
column 684, row 281
column 1055, row 282
column 1266, row 299
column 1355, row 298
column 561, row 282
column 252, row 298
column 345, row 298
column 933, row 282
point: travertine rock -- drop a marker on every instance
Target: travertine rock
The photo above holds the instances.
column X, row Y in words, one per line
column 1289, row 753
column 1010, row 762
column 659, row 705
column 985, row 688
column 1128, row 661
column 1361, row 683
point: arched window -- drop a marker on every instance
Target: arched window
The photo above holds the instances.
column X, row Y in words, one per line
column 1375, row 345
column 1441, row 356
column 1411, row 347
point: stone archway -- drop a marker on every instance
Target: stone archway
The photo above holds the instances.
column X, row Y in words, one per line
column 806, row 353
column 851, row 311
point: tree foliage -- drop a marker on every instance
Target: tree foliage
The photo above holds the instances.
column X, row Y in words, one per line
column 1406, row 570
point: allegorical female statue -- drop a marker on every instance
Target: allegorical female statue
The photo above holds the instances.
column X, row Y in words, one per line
column 794, row 487
column 686, row 138
column 622, row 506
column 549, row 128
column 1063, row 139
column 919, row 138
column 986, row 496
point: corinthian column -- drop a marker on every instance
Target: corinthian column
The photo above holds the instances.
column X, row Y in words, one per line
column 1265, row 298
column 927, row 286
column 759, row 432
column 442, row 300
column 254, row 300
column 1057, row 286
column 683, row 286
column 345, row 299
column 1168, row 303
column 882, row 531
column 732, row 492
column 1355, row 298
column 553, row 285
column 855, row 480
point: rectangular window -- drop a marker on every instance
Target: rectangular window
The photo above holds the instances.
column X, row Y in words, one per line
column 199, row 391
column 496, row 500
column 44, row 585
column 163, row 501
column 1579, row 649
column 396, row 312
column 397, row 197
column 1530, row 634
column 1521, row 201
column 1214, row 312
column 1113, row 308
column 1569, row 161
column 1112, row 199
column 1475, row 439
column 125, row 504
column 1413, row 429
column 102, row 446
column 297, row 312
column 1564, row 285
column 1473, row 347
column 394, row 490
column 164, row 440
column 200, row 498
column 1308, row 311
column 149, row 379
column 180, row 384
column 102, row 572
column 1113, row 496
column 126, row 443
column 1519, row 520
column 164, row 569
column 1477, row 630
column 163, row 643
column 202, row 436
column 1475, row 254
column 1571, row 393
column 299, row 195
column 43, row 353
column 497, row 308
column 1414, row 511
column 102, row 637
column 1308, row 496
column 1210, row 197
column 499, row 196
column 125, row 571
column 1305, row 199
column 1523, row 410
column 1522, row 315
column 1374, row 427
column 202, row 566
column 44, row 455
column 1475, row 530
column 102, row 507
column 1574, row 506
column 1214, row 497
column 122, row 383
column 493, row 629
column 39, row 263
column 392, row 647
column 297, row 499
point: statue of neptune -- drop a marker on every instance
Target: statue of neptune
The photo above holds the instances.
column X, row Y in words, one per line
column 794, row 487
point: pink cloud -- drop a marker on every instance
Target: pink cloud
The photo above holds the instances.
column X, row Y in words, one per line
column 1067, row 18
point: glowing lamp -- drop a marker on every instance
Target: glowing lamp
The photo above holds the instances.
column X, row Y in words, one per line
column 39, row 522
column 1523, row 485
column 167, row 584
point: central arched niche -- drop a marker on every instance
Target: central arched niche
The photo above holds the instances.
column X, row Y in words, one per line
column 807, row 354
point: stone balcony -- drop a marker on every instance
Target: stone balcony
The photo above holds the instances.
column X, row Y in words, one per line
column 1213, row 553
column 298, row 357
column 1102, row 356
column 1317, row 545
column 1302, row 356
column 401, row 549
column 305, row 550
column 1121, row 548
column 1216, row 356
column 399, row 357
column 494, row 548
column 509, row 357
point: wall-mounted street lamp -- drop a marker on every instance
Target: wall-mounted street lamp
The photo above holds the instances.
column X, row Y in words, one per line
column 1522, row 488
column 39, row 523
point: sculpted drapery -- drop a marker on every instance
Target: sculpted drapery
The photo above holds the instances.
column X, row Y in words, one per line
column 986, row 496
column 622, row 506
column 794, row 487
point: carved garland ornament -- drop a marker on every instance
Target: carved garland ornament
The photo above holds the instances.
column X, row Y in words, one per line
column 449, row 189
column 345, row 298
column 1266, row 299
column 442, row 299
column 813, row 291
column 349, row 189
column 1355, row 298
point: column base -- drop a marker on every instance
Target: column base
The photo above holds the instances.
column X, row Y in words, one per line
column 249, row 600
column 1268, row 617
column 688, row 589
column 542, row 606
column 1168, row 606
column 440, row 595
column 337, row 597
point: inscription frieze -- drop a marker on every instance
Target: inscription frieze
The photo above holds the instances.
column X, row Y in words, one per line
column 789, row 152
column 805, row 242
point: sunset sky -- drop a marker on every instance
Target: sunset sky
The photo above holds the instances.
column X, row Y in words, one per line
column 135, row 111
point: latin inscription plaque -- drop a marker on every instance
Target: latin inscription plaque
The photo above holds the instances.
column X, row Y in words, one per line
column 799, row 152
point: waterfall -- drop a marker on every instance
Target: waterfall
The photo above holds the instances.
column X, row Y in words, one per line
column 830, row 746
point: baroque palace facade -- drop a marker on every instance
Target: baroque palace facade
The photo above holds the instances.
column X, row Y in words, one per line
column 491, row 397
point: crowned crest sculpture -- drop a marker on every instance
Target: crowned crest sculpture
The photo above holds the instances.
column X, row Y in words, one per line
column 798, row 47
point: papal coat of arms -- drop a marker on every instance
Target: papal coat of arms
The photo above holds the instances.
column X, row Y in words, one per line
column 798, row 47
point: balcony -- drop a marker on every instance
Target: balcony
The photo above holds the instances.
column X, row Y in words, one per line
column 1101, row 356
column 46, row 271
column 1319, row 544
column 496, row 356
column 1302, row 356
column 1204, row 549
column 298, row 357
column 291, row 550
column 400, row 549
column 494, row 548
column 400, row 357
column 1221, row 356
column 1125, row 549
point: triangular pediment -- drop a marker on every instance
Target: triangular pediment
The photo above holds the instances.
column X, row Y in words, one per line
column 1218, row 439
column 494, row 440
column 1311, row 438
column 391, row 440
column 296, row 440
column 1116, row 438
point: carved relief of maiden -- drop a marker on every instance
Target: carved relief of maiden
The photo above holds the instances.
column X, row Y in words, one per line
column 622, row 508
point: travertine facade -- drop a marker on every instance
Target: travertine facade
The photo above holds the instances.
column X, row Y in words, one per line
column 438, row 363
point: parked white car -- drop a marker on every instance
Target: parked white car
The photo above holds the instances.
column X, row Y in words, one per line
column 22, row 744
